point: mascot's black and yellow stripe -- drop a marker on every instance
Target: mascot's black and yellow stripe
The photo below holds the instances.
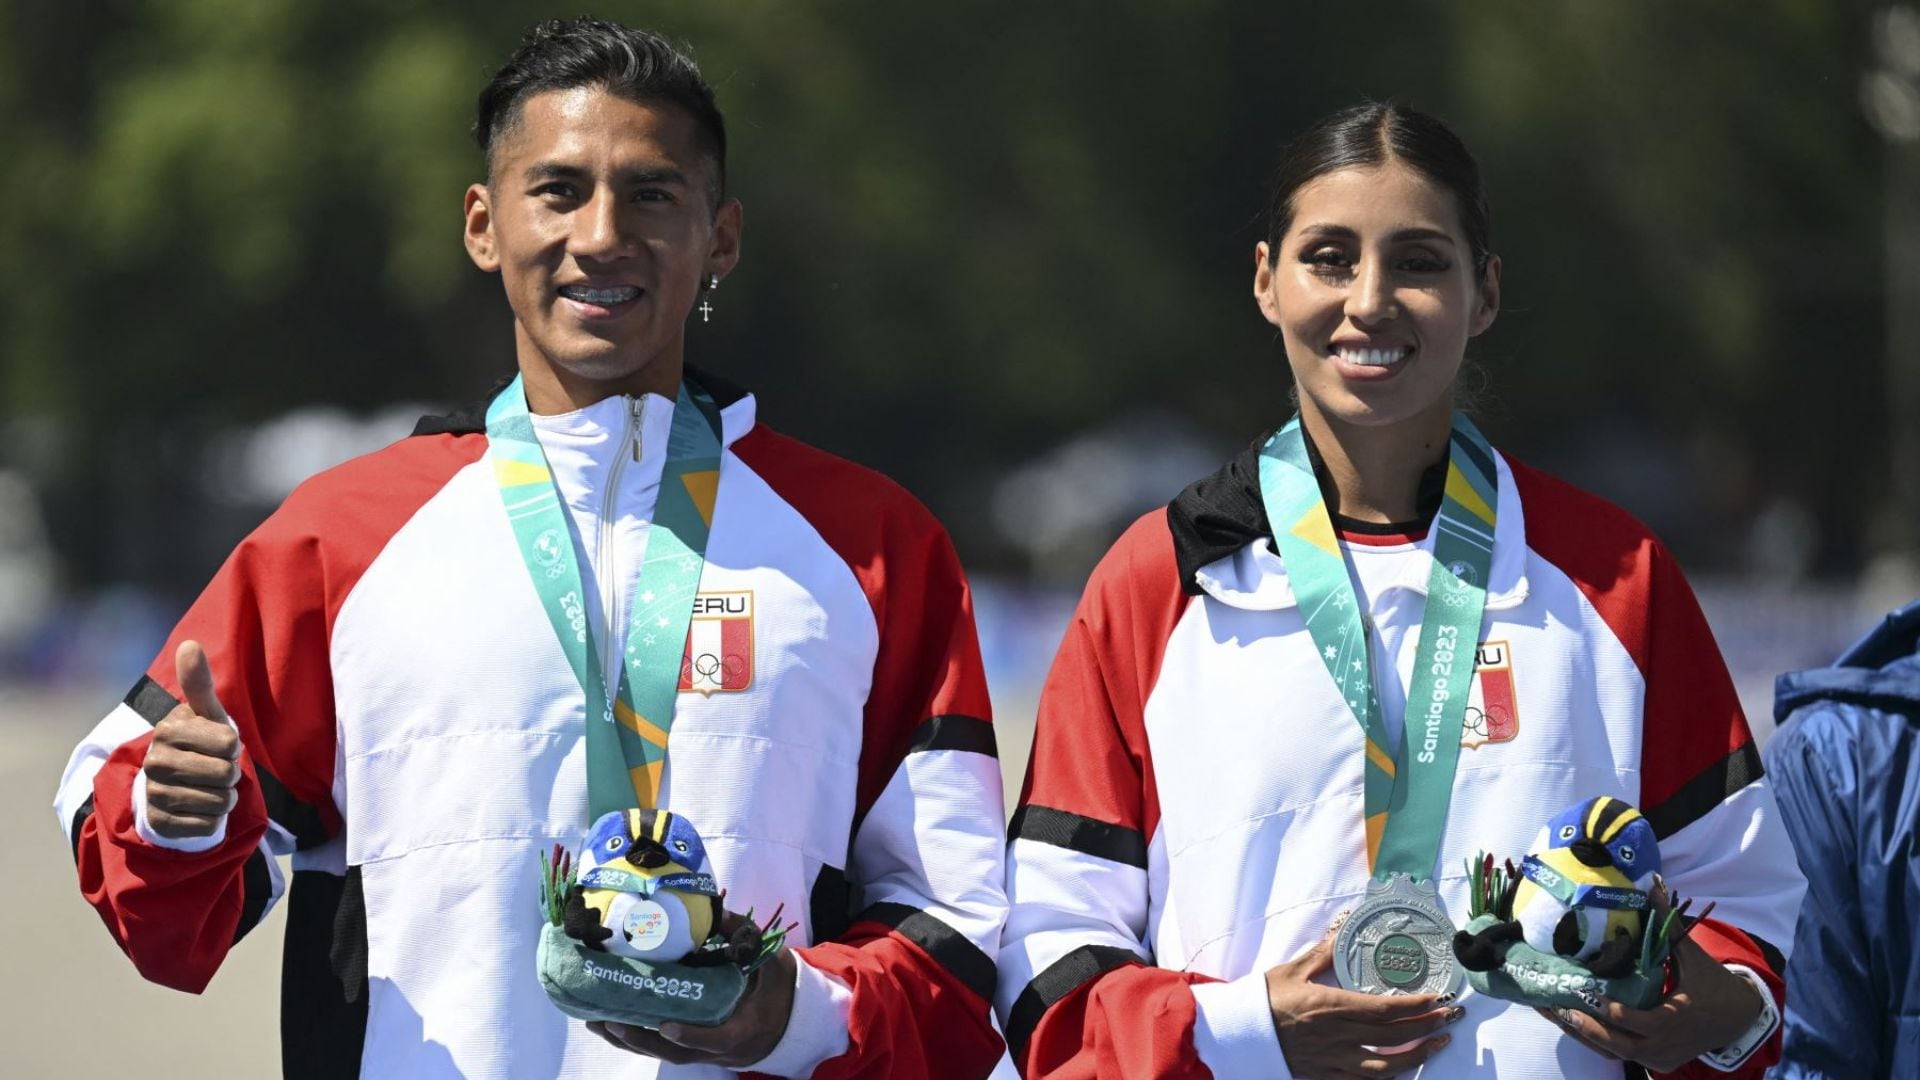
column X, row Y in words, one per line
column 1602, row 844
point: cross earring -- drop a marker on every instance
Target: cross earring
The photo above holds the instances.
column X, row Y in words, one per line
column 706, row 303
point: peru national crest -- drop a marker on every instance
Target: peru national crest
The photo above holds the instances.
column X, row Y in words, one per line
column 1493, row 713
column 719, row 652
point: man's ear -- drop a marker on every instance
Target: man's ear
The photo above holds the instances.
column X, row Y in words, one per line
column 723, row 254
column 479, row 228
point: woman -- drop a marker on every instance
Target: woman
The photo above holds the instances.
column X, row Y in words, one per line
column 1214, row 773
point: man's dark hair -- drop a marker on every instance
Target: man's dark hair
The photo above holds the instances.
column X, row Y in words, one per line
column 564, row 54
column 1368, row 134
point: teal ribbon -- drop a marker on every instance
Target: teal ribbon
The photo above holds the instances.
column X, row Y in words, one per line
column 1406, row 794
column 627, row 735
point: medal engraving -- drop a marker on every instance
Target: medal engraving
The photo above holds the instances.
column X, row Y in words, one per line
column 1399, row 941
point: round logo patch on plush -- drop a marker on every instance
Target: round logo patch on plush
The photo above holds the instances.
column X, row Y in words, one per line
column 646, row 925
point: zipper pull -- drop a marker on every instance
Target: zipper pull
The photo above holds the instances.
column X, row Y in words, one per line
column 639, row 410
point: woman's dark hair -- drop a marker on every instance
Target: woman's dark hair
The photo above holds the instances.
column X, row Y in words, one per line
column 564, row 54
column 1370, row 134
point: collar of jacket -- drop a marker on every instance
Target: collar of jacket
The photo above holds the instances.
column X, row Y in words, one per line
column 1881, row 670
column 1224, row 545
column 471, row 418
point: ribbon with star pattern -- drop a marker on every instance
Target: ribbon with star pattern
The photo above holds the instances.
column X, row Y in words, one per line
column 1405, row 795
column 627, row 735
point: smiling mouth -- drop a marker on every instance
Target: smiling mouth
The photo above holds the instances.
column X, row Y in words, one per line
column 601, row 297
column 1373, row 357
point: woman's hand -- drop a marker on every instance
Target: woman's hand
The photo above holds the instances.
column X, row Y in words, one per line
column 1708, row 1008
column 1329, row 1032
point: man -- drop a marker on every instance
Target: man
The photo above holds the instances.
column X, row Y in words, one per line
column 1846, row 765
column 373, row 682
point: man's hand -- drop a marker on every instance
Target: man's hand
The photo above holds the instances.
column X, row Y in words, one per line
column 1326, row 1031
column 749, row 1035
column 193, row 762
column 1709, row 1008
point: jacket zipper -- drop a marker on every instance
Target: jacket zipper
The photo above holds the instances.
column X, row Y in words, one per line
column 609, row 579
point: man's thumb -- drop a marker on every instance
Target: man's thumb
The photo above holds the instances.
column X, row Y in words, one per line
column 196, row 681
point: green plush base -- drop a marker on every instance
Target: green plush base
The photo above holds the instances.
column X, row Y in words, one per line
column 1531, row 977
column 587, row 984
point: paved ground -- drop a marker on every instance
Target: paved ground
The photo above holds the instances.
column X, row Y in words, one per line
column 71, row 1005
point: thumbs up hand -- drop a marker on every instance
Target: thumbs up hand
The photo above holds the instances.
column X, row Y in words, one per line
column 193, row 762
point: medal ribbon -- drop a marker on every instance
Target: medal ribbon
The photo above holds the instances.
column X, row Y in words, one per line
column 626, row 736
column 1406, row 796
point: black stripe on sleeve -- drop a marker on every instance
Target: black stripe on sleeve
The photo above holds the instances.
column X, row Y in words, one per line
column 1088, row 836
column 828, row 904
column 80, row 817
column 256, row 890
column 1062, row 977
column 150, row 700
column 1701, row 794
column 323, row 983
column 288, row 812
column 153, row 703
column 954, row 732
column 948, row 947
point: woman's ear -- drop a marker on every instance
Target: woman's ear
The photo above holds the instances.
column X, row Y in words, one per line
column 1489, row 297
column 1263, row 282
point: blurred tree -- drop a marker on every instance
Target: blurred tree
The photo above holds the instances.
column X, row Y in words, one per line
column 972, row 231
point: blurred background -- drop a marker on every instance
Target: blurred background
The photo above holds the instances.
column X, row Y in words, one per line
column 1002, row 251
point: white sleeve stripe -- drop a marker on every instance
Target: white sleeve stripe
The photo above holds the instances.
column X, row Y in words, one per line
column 1053, row 888
column 1740, row 857
column 934, row 842
column 73, row 802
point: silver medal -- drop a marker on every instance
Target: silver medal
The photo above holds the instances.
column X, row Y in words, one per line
column 1398, row 941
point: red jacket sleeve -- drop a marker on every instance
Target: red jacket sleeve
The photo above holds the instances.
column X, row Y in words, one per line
column 923, row 902
column 1702, row 785
column 176, row 913
column 1078, row 990
column 266, row 622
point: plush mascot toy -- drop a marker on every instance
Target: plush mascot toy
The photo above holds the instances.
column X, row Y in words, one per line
column 1574, row 922
column 643, row 890
column 636, row 935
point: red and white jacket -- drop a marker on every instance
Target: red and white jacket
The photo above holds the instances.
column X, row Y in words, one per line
column 1192, row 812
column 413, row 738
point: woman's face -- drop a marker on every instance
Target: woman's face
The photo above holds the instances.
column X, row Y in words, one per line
column 1375, row 295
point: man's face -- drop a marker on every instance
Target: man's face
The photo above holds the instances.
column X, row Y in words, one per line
column 598, row 217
